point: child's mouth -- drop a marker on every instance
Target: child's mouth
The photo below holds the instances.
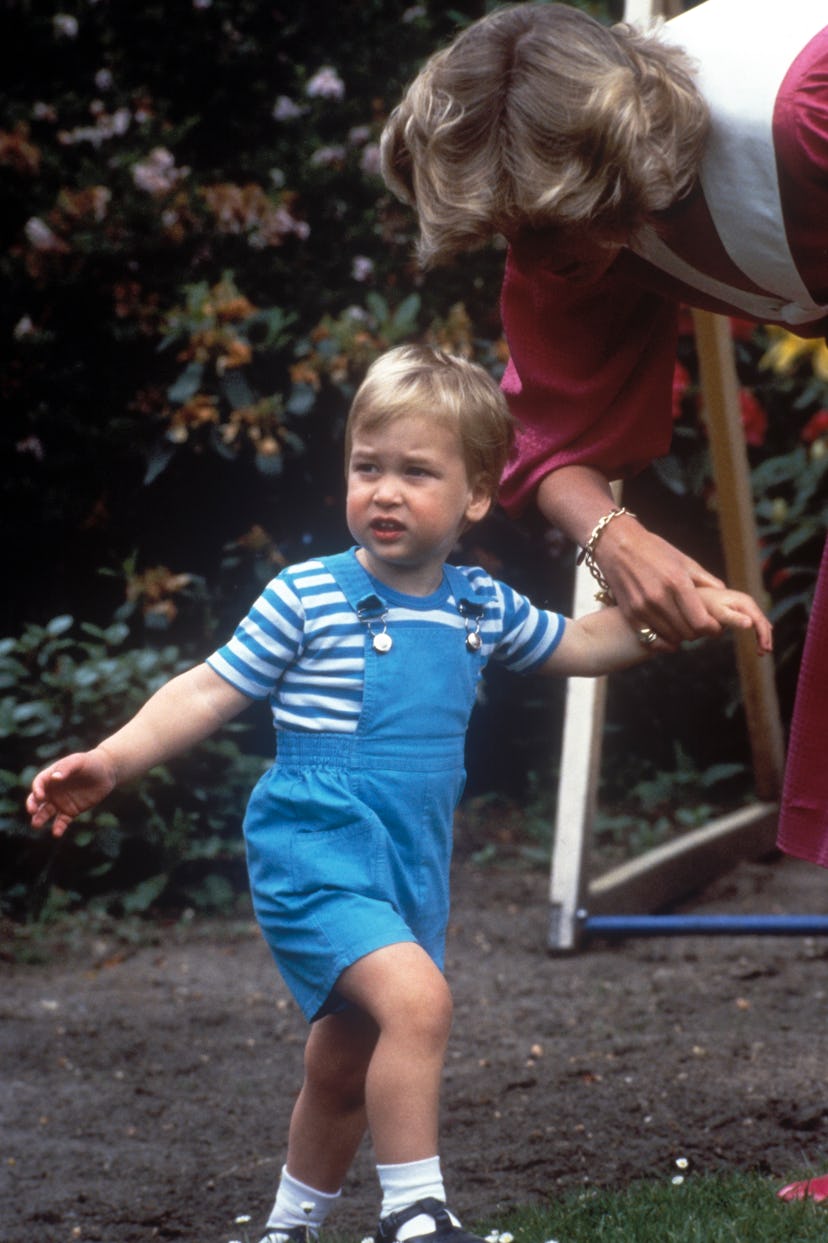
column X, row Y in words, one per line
column 386, row 529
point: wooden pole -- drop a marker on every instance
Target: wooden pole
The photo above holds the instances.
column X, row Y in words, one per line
column 720, row 389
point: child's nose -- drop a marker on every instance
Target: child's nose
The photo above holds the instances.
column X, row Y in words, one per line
column 387, row 489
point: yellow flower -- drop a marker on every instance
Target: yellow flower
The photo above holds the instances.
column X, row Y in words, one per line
column 787, row 350
column 820, row 360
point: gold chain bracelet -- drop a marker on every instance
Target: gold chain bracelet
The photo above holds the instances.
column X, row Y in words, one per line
column 587, row 554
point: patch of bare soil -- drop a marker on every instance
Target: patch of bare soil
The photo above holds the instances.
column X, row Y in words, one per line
column 146, row 1090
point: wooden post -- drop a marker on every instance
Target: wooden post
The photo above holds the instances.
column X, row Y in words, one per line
column 720, row 389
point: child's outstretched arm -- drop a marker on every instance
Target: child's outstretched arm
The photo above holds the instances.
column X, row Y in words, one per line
column 604, row 642
column 184, row 711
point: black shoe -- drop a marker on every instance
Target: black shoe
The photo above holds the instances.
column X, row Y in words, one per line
column 444, row 1231
column 296, row 1234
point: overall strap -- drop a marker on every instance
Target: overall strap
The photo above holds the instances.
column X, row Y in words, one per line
column 461, row 588
column 350, row 577
column 470, row 605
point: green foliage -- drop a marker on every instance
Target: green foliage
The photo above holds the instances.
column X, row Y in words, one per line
column 698, row 1209
column 641, row 806
column 170, row 839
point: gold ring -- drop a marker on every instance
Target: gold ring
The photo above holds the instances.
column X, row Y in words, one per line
column 647, row 636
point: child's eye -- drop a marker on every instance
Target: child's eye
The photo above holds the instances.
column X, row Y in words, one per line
column 363, row 468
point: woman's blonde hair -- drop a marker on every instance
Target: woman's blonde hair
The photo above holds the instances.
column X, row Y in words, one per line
column 429, row 383
column 537, row 116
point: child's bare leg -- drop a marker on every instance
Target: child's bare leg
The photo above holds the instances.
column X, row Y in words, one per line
column 409, row 1001
column 329, row 1120
column 327, row 1124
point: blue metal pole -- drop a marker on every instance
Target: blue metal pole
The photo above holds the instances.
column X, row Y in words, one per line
column 704, row 925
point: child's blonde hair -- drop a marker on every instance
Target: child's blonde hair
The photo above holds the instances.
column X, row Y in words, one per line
column 428, row 382
column 538, row 116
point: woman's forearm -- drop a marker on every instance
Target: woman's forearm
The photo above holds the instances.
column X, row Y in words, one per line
column 574, row 498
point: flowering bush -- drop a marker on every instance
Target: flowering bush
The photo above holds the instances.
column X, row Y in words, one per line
column 203, row 261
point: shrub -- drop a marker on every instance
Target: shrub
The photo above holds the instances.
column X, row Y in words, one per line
column 169, row 839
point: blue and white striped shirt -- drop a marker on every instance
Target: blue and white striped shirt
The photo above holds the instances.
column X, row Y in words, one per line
column 302, row 645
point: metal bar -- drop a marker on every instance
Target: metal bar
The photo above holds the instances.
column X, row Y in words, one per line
column 704, row 925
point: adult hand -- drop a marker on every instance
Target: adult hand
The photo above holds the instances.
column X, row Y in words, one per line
column 654, row 584
column 68, row 787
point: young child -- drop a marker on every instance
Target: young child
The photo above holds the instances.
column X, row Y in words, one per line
column 371, row 661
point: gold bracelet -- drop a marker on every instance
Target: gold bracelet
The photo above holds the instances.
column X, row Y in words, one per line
column 587, row 554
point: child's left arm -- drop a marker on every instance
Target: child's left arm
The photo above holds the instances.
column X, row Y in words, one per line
column 604, row 642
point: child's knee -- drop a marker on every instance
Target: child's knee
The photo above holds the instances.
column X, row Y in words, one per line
column 336, row 1066
column 425, row 1007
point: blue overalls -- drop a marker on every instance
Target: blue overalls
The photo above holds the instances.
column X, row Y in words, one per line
column 349, row 835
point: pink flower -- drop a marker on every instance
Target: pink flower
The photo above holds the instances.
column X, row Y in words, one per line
column 326, row 157
column 157, row 174
column 65, row 26
column 285, row 109
column 42, row 237
column 362, row 268
column 325, row 84
column 370, row 160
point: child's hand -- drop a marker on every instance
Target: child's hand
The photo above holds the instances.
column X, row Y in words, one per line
column 739, row 612
column 68, row 787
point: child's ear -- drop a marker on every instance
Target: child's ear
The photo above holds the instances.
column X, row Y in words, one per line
column 480, row 500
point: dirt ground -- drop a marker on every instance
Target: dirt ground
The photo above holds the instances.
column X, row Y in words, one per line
column 146, row 1088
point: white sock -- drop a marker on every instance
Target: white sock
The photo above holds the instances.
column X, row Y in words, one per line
column 403, row 1184
column 299, row 1205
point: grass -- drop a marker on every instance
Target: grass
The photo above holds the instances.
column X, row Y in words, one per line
column 704, row 1209
column 733, row 1208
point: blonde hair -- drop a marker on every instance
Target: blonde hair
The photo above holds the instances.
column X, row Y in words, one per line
column 538, row 116
column 417, row 379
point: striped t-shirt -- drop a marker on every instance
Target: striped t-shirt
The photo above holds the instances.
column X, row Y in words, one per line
column 302, row 644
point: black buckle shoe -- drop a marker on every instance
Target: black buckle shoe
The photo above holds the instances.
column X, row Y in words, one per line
column 444, row 1231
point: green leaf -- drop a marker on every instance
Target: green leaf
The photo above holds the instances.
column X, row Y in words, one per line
column 141, row 898
column 59, row 625
column 187, row 384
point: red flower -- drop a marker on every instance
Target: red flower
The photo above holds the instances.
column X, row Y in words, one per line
column 741, row 329
column 754, row 418
column 816, row 426
column 681, row 383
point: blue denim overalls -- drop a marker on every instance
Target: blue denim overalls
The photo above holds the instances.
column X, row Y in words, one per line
column 349, row 835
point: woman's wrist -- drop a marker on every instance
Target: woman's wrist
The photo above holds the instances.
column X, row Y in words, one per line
column 589, row 552
column 574, row 498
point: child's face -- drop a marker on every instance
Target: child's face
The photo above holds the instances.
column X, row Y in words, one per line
column 409, row 497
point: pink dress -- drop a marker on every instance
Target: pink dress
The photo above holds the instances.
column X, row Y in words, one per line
column 591, row 366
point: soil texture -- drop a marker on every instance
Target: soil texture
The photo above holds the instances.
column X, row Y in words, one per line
column 147, row 1087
